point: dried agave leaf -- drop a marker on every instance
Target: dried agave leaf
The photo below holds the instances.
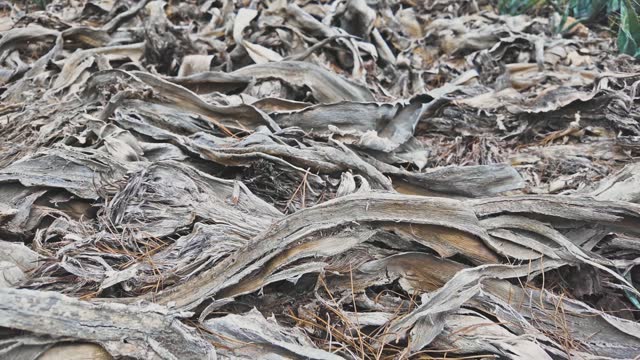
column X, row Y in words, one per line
column 18, row 37
column 150, row 330
column 18, row 216
column 15, row 260
column 242, row 19
column 260, row 54
column 306, row 22
column 86, row 36
column 616, row 215
column 74, row 171
column 114, row 23
column 326, row 87
column 274, row 105
column 445, row 241
column 622, row 186
column 82, row 60
column 143, row 204
column 469, row 181
column 612, row 336
column 258, row 147
column 424, row 331
column 193, row 64
column 357, row 18
column 462, row 287
column 240, row 117
column 209, row 81
column 234, row 270
column 250, row 335
column 29, row 347
column 76, row 351
column 483, row 335
column 375, row 126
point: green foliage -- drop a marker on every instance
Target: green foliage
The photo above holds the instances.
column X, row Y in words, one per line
column 629, row 32
column 588, row 10
column 562, row 27
column 517, row 7
column 621, row 13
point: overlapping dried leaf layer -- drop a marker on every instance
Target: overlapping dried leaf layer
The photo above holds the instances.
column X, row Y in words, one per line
column 357, row 179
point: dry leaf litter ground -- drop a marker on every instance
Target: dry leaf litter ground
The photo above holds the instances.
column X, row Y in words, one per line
column 353, row 179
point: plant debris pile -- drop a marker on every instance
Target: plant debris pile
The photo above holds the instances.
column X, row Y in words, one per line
column 328, row 179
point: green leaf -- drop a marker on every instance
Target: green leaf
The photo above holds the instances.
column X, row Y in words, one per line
column 588, row 10
column 613, row 7
column 518, row 7
column 629, row 32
